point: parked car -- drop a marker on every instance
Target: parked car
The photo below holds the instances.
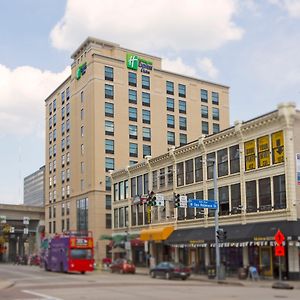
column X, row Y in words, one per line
column 170, row 270
column 122, row 265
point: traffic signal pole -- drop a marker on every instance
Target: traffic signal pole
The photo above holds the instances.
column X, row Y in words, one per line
column 216, row 221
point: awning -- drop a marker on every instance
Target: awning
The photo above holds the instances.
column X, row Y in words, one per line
column 237, row 233
column 156, row 234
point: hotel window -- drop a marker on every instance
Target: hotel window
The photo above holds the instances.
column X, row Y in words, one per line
column 107, row 220
column 180, row 174
column 63, row 97
column 82, row 149
column 133, row 150
column 107, row 183
column 171, row 138
column 170, row 87
column 222, row 162
column 109, row 163
column 82, row 184
column 146, row 134
column 62, row 225
column 198, row 169
column 146, row 150
column 81, row 131
column 50, row 122
column 133, row 186
column 145, row 82
column 215, row 98
column 62, row 144
column 54, row 212
column 54, row 196
column 63, row 113
column 234, row 153
column 50, row 108
column 68, row 209
column 182, row 123
column 50, row 166
column 132, row 162
column 63, row 176
column 63, row 127
column 50, row 152
column 215, row 113
column 133, row 132
column 68, row 141
column 132, row 96
column 131, row 79
column 54, row 105
column 146, row 116
column 63, row 160
column 154, row 180
column 54, row 120
column 50, row 182
column 50, row 197
column 68, row 125
column 54, row 150
column 81, row 114
column 63, row 192
column 109, row 146
column 204, row 96
column 54, row 165
column 170, row 175
column 182, row 139
column 182, row 106
column 251, row 196
column 189, row 171
column 132, row 114
column 109, row 91
column 181, row 90
column 210, row 160
column 235, row 198
column 50, row 212
column 223, row 200
column 264, row 194
column 68, row 93
column 68, row 190
column 82, row 214
column 109, row 73
column 68, row 109
column 81, row 97
column 107, row 201
column 109, row 127
column 145, row 99
column 54, row 180
column 204, row 111
column 109, row 109
column 54, row 135
column 170, row 121
column 170, row 104
column 68, row 174
column 216, row 128
column 279, row 192
column 204, row 127
column 50, row 137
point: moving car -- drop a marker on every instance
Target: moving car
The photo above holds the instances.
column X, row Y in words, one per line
column 170, row 270
column 122, row 265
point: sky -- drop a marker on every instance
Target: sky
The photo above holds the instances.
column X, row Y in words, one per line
column 252, row 46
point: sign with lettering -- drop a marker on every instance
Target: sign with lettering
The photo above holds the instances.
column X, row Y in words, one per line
column 263, row 149
column 135, row 62
column 81, row 70
column 199, row 203
column 278, row 147
column 250, row 155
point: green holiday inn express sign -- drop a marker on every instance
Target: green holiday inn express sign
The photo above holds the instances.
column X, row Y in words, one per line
column 81, row 70
column 134, row 63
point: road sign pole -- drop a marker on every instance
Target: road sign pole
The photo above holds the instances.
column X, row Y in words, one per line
column 216, row 221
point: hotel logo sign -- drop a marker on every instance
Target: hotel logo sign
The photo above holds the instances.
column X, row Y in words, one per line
column 81, row 70
column 135, row 62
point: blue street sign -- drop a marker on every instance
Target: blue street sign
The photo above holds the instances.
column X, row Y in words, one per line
column 197, row 203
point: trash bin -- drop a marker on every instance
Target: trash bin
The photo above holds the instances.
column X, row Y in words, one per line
column 211, row 272
column 243, row 273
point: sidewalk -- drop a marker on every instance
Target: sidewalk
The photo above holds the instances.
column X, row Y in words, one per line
column 4, row 284
column 267, row 283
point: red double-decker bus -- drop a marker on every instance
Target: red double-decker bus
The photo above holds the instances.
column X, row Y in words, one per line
column 70, row 252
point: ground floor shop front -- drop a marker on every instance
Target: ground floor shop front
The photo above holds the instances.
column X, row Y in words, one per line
column 245, row 245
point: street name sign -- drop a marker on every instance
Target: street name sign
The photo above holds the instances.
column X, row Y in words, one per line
column 199, row 203
column 183, row 201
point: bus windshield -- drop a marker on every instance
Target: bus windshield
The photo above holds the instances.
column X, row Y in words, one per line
column 81, row 253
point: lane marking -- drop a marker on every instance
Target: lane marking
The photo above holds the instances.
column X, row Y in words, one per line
column 44, row 296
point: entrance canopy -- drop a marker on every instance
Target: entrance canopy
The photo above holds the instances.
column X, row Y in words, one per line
column 264, row 231
column 156, row 234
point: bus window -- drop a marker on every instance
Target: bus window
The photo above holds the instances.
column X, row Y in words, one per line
column 81, row 254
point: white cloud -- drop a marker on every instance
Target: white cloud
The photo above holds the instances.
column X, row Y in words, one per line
column 291, row 6
column 207, row 66
column 23, row 91
column 178, row 66
column 149, row 24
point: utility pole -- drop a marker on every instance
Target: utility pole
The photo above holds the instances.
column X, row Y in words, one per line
column 216, row 220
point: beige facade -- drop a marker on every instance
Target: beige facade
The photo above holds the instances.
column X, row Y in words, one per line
column 103, row 111
column 257, row 188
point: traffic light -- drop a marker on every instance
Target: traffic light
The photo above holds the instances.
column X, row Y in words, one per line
column 176, row 200
column 221, row 235
column 151, row 199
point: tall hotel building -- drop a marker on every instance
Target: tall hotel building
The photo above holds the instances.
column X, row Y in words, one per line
column 117, row 107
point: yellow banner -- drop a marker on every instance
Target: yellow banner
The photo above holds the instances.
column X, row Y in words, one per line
column 250, row 155
column 250, row 148
column 263, row 147
column 278, row 147
column 263, row 143
column 250, row 162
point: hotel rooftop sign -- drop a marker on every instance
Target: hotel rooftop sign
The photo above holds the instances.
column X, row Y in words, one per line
column 135, row 62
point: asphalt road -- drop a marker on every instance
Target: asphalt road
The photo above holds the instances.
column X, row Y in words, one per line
column 35, row 283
